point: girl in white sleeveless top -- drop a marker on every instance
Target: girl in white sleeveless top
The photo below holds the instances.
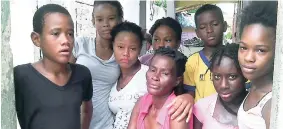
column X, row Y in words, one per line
column 252, row 118
column 256, row 57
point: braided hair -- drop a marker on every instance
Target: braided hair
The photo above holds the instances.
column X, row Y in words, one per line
column 230, row 51
column 180, row 61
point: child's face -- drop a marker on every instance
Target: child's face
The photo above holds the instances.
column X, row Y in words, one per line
column 161, row 76
column 105, row 18
column 126, row 49
column 164, row 36
column 256, row 53
column 210, row 28
column 57, row 38
column 227, row 79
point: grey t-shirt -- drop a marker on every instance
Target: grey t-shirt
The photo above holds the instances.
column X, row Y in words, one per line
column 104, row 74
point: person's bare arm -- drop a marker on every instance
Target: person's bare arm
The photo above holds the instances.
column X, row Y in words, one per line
column 197, row 123
column 266, row 113
column 86, row 114
column 181, row 124
column 134, row 116
column 181, row 107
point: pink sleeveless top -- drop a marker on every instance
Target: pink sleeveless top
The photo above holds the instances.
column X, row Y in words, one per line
column 163, row 118
column 204, row 110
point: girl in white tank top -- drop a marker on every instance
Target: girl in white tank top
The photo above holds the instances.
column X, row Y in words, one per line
column 256, row 57
column 252, row 118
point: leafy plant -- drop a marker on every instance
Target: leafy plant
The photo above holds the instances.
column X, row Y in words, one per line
column 161, row 3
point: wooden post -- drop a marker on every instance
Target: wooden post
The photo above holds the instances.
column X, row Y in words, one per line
column 276, row 121
column 143, row 14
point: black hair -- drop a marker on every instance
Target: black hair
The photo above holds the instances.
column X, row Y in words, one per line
column 171, row 23
column 127, row 27
column 209, row 7
column 148, row 38
column 113, row 3
column 262, row 12
column 180, row 62
column 38, row 17
column 229, row 50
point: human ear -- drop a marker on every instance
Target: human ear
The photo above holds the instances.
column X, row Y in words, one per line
column 35, row 37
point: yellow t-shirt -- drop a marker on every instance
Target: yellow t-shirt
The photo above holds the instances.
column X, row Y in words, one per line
column 195, row 77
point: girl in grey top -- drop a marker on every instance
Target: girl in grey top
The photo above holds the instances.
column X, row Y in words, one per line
column 97, row 55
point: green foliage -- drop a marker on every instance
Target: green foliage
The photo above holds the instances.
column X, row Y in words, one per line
column 228, row 35
column 161, row 3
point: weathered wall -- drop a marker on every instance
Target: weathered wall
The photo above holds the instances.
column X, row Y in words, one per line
column 277, row 92
column 8, row 115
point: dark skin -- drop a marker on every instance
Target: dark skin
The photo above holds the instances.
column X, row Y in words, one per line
column 166, row 36
column 161, row 79
column 256, row 57
column 229, row 84
column 105, row 17
column 56, row 42
column 127, row 47
column 210, row 30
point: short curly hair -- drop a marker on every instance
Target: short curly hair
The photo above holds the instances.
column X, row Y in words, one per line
column 259, row 12
column 209, row 7
column 39, row 15
column 171, row 23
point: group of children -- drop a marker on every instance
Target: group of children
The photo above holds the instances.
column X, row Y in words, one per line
column 101, row 82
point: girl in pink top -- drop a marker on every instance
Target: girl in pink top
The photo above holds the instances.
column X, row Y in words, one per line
column 164, row 79
column 220, row 110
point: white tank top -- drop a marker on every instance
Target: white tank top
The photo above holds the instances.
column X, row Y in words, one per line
column 253, row 119
column 122, row 102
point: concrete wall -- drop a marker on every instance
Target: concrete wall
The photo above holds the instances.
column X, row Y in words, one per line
column 8, row 114
column 276, row 121
column 21, row 27
column 22, row 47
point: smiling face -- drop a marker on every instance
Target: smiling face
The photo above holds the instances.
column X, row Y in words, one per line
column 57, row 38
column 161, row 76
column 164, row 36
column 105, row 17
column 227, row 79
column 210, row 28
column 127, row 47
column 256, row 53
